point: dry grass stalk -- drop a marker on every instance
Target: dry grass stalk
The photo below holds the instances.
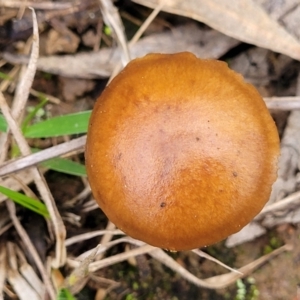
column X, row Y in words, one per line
column 28, row 244
column 21, row 286
column 3, row 269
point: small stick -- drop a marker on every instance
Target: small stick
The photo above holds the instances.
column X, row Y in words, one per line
column 36, row 158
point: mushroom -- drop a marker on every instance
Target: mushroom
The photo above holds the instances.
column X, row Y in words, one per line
column 181, row 152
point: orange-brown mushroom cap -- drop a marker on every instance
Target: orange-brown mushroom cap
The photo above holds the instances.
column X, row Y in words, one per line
column 181, row 152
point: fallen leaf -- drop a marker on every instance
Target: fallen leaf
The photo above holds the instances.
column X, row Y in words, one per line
column 246, row 21
column 189, row 37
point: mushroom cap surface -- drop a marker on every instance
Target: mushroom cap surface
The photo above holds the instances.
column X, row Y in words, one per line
column 181, row 152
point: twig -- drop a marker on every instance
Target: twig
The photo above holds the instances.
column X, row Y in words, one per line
column 36, row 158
column 112, row 18
column 222, row 281
column 24, row 148
column 46, row 5
column 138, row 34
column 215, row 282
column 94, row 266
column 283, row 204
column 283, row 103
column 147, row 22
column 90, row 235
column 209, row 257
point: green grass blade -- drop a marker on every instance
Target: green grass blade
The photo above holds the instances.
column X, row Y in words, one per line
column 32, row 114
column 26, row 201
column 5, row 76
column 65, row 294
column 63, row 125
column 3, row 124
column 65, row 166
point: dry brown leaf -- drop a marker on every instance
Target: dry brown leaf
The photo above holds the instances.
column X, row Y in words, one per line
column 65, row 41
column 72, row 88
column 287, row 12
column 205, row 44
column 246, row 21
